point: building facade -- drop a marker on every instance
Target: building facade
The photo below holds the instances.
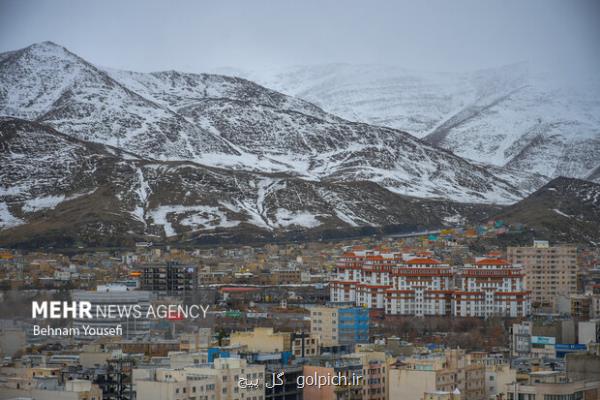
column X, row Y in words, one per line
column 339, row 325
column 262, row 340
column 220, row 380
column 419, row 285
column 171, row 278
column 549, row 271
column 491, row 287
column 448, row 372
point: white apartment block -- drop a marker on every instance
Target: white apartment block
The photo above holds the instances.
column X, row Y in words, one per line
column 419, row 285
column 491, row 287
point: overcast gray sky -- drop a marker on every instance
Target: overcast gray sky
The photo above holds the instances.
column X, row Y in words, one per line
column 200, row 35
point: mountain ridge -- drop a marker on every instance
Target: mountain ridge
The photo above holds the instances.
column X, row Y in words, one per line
column 102, row 157
column 498, row 116
column 95, row 194
column 232, row 123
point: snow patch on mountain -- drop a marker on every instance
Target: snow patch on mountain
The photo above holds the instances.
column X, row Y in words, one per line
column 41, row 203
column 285, row 218
column 7, row 219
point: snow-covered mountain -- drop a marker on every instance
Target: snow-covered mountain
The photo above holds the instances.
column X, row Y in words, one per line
column 47, row 83
column 58, row 190
column 230, row 123
column 508, row 117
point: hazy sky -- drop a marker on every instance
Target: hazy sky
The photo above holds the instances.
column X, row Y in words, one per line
column 200, row 35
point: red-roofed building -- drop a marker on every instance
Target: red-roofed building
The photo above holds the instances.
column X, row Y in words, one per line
column 399, row 284
column 420, row 285
column 491, row 287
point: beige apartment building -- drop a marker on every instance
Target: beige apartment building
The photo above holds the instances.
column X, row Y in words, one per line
column 221, row 380
column 324, row 325
column 199, row 340
column 305, row 345
column 446, row 372
column 497, row 377
column 262, row 340
column 549, row 271
column 374, row 373
column 176, row 384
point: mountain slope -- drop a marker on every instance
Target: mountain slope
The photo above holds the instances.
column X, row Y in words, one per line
column 507, row 117
column 47, row 83
column 230, row 123
column 565, row 209
column 57, row 190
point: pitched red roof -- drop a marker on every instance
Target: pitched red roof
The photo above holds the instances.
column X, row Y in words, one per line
column 492, row 261
column 418, row 261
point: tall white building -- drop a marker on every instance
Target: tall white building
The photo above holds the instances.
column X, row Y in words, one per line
column 421, row 286
column 491, row 287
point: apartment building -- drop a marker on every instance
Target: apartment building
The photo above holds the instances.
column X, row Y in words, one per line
column 339, row 325
column 491, row 287
column 289, row 390
column 521, row 339
column 285, row 276
column 497, row 377
column 399, row 283
column 588, row 332
column 220, row 380
column 419, row 285
column 305, row 345
column 447, row 372
column 49, row 389
column 176, row 384
column 348, row 386
column 553, row 385
column 170, row 278
column 196, row 341
column 549, row 271
column 374, row 373
column 262, row 340
column 580, row 306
